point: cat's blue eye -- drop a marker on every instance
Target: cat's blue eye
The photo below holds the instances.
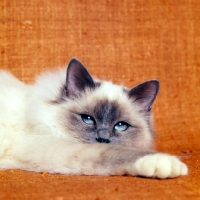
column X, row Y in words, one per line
column 121, row 126
column 88, row 119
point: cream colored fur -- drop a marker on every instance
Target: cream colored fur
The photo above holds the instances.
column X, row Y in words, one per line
column 33, row 135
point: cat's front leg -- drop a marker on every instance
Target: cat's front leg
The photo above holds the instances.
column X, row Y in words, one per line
column 159, row 165
column 115, row 160
column 143, row 163
column 56, row 155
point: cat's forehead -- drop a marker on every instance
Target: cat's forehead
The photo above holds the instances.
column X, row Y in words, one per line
column 110, row 91
column 106, row 96
column 105, row 111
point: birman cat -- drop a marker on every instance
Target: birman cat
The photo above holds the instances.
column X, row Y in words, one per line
column 71, row 123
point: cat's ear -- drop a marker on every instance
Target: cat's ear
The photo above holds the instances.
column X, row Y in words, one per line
column 78, row 78
column 145, row 94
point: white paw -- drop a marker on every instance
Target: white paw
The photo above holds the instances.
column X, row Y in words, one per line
column 160, row 166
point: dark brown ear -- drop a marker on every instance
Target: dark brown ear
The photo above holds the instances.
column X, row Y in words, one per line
column 78, row 78
column 145, row 94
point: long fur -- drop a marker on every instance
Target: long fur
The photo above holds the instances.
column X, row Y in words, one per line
column 41, row 129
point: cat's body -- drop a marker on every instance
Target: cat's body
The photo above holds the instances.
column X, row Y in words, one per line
column 77, row 125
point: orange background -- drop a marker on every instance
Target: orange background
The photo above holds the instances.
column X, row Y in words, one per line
column 129, row 42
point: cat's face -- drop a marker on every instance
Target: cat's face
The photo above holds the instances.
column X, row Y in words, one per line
column 101, row 112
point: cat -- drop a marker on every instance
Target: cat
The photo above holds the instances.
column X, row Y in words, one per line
column 70, row 123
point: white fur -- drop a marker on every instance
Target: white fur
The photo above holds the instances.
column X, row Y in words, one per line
column 159, row 165
column 32, row 137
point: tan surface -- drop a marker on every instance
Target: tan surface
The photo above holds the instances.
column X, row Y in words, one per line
column 26, row 185
column 128, row 42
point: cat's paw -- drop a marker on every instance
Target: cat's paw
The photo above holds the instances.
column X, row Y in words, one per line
column 160, row 166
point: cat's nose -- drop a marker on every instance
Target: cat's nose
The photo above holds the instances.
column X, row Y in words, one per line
column 103, row 136
column 102, row 140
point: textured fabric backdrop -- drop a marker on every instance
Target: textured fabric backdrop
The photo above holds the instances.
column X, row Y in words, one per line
column 126, row 41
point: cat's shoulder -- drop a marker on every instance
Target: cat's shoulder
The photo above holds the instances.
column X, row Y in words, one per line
column 49, row 83
column 9, row 80
column 52, row 75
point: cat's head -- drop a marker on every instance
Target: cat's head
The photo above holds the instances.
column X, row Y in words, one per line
column 102, row 112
